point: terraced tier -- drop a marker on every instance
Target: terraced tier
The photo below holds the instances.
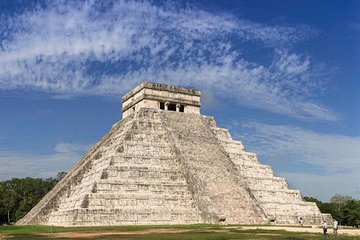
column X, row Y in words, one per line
column 279, row 203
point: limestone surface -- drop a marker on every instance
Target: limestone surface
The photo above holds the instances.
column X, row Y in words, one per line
column 163, row 165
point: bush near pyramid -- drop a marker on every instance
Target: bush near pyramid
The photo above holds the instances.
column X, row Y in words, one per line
column 165, row 163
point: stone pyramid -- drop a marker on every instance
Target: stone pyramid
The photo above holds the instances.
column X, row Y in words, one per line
column 165, row 163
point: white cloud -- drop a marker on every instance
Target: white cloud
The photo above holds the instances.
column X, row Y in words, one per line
column 319, row 164
column 71, row 148
column 24, row 164
column 75, row 48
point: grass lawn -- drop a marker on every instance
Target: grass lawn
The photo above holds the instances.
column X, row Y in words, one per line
column 183, row 232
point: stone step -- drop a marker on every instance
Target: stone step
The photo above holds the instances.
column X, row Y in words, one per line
column 132, row 156
column 275, row 192
column 142, row 161
column 254, row 166
column 269, row 188
column 222, row 133
column 210, row 121
column 125, row 217
column 148, row 122
column 270, row 184
column 244, row 157
column 144, row 175
column 140, row 203
column 148, row 128
column 129, row 198
column 250, row 173
column 144, row 187
column 233, row 147
column 139, row 195
column 151, row 145
column 145, row 134
column 265, row 178
column 129, row 210
column 138, row 150
column 143, row 168
column 180, row 182
column 263, row 196
column 141, row 154
column 288, row 208
column 148, row 138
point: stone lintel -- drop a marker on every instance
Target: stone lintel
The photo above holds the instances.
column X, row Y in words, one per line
column 161, row 87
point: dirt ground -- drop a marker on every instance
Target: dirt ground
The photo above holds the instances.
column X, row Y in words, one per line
column 345, row 231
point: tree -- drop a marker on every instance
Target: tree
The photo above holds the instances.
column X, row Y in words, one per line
column 312, row 199
column 339, row 201
column 19, row 196
column 343, row 208
column 351, row 213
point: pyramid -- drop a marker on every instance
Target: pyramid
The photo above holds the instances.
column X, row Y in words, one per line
column 165, row 163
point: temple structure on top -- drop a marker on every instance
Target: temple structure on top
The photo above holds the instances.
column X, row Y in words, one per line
column 161, row 96
column 165, row 163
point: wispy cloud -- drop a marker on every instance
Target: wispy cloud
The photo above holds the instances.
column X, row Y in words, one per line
column 323, row 164
column 71, row 148
column 23, row 164
column 92, row 48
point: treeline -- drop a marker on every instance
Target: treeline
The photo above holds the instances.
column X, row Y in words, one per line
column 344, row 209
column 19, row 196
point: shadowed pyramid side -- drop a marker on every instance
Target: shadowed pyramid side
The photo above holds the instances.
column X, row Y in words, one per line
column 217, row 186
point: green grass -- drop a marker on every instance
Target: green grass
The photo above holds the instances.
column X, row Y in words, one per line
column 190, row 232
column 50, row 229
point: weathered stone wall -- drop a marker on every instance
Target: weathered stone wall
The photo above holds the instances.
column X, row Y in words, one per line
column 279, row 203
column 40, row 214
column 133, row 179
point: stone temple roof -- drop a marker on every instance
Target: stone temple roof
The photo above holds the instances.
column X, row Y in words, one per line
column 161, row 87
column 159, row 96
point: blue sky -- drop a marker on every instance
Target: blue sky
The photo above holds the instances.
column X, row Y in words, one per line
column 283, row 76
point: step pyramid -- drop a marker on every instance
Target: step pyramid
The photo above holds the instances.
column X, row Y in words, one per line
column 165, row 163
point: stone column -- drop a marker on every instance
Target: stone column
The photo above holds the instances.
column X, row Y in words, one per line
column 178, row 107
column 167, row 106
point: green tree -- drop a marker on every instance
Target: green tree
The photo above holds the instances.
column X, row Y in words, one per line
column 339, row 201
column 341, row 207
column 19, row 196
column 350, row 213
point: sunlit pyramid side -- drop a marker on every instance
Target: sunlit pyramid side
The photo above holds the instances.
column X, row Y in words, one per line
column 165, row 163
